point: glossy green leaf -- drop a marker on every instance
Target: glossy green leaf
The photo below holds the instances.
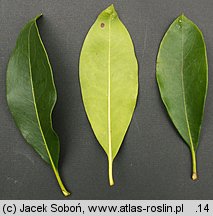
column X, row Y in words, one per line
column 109, row 81
column 31, row 95
column 182, row 76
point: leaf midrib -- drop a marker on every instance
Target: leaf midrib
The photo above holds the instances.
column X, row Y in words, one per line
column 183, row 88
column 55, row 169
column 35, row 105
column 109, row 93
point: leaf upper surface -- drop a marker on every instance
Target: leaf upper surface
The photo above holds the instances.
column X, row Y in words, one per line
column 182, row 76
column 31, row 94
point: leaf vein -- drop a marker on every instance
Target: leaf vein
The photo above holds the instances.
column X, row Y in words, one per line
column 183, row 88
column 109, row 93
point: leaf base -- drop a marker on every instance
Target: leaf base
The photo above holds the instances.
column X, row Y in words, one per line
column 194, row 176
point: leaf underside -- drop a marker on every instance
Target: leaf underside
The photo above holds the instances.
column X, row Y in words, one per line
column 31, row 95
column 109, row 81
column 182, row 77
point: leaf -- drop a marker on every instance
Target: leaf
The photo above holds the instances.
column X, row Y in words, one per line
column 182, row 76
column 31, row 95
column 109, row 81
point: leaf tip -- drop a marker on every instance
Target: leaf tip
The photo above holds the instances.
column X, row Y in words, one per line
column 182, row 16
column 111, row 10
column 38, row 16
column 194, row 176
column 111, row 7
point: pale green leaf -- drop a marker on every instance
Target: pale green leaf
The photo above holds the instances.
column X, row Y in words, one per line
column 109, row 81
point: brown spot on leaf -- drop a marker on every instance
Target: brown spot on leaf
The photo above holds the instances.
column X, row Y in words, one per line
column 102, row 25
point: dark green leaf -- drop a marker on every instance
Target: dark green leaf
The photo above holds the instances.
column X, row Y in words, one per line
column 182, row 76
column 31, row 95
